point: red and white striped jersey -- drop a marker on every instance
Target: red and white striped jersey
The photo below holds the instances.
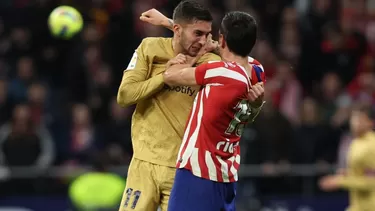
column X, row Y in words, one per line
column 210, row 146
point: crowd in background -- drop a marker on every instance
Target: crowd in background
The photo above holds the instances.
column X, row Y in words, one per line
column 58, row 97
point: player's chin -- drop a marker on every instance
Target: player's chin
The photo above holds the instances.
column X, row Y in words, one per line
column 193, row 52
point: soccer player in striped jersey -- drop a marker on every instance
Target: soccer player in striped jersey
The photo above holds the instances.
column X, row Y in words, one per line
column 231, row 93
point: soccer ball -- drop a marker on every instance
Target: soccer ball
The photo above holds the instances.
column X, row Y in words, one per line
column 65, row 22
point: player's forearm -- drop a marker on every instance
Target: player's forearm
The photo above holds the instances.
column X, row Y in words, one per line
column 362, row 183
column 168, row 23
column 255, row 110
column 182, row 74
column 132, row 91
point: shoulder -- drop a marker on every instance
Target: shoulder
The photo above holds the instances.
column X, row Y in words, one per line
column 258, row 70
column 152, row 42
column 232, row 72
column 371, row 137
column 155, row 40
column 209, row 57
column 255, row 63
column 228, row 66
column 212, row 65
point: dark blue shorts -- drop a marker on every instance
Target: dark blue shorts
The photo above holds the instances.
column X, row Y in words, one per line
column 191, row 193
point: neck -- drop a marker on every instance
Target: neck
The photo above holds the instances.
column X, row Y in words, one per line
column 230, row 57
column 363, row 133
column 177, row 48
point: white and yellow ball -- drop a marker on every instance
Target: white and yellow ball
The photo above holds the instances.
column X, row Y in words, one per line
column 65, row 22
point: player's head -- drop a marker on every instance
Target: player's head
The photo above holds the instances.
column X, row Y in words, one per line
column 192, row 24
column 361, row 119
column 238, row 33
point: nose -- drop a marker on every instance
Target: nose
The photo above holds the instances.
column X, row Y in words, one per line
column 203, row 40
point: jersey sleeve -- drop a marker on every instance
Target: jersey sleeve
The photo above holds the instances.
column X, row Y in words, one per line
column 201, row 76
column 209, row 57
column 135, row 84
column 258, row 73
column 367, row 180
column 208, row 60
column 200, row 73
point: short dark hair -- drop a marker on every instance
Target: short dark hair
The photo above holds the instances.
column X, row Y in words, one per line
column 240, row 32
column 189, row 10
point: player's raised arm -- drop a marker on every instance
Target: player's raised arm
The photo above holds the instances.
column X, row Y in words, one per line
column 134, row 85
column 154, row 17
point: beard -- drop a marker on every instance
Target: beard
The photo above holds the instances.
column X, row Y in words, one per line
column 188, row 47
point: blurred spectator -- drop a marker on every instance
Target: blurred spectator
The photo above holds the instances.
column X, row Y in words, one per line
column 271, row 147
column 309, row 134
column 23, row 143
column 101, row 94
column 334, row 101
column 19, row 85
column 5, row 106
column 286, row 91
column 116, row 132
column 365, row 90
column 342, row 48
column 37, row 102
column 21, row 43
column 289, row 43
column 264, row 53
column 82, row 134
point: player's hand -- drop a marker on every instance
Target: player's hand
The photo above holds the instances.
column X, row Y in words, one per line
column 179, row 59
column 211, row 44
column 330, row 183
column 256, row 94
column 154, row 17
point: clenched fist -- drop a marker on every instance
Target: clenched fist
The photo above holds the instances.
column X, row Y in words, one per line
column 154, row 17
column 256, row 94
column 179, row 59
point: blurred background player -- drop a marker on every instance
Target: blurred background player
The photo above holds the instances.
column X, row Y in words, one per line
column 209, row 156
column 359, row 177
column 161, row 112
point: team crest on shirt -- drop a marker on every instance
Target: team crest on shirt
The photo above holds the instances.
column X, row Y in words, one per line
column 133, row 61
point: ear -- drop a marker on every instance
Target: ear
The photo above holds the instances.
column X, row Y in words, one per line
column 177, row 29
column 222, row 41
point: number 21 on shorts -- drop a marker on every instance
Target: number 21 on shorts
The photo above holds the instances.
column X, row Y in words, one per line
column 132, row 195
